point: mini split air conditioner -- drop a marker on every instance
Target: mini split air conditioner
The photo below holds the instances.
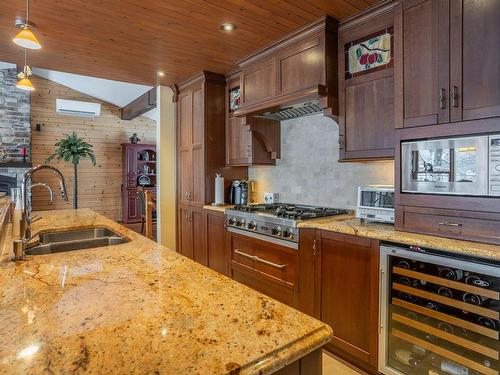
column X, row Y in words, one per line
column 75, row 108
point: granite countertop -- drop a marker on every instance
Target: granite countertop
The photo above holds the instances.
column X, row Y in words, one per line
column 218, row 208
column 386, row 232
column 139, row 308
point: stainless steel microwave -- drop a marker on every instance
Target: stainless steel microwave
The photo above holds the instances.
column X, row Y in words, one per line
column 458, row 166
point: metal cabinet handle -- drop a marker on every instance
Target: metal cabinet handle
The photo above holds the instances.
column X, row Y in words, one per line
column 442, row 99
column 454, row 97
column 257, row 259
column 449, row 224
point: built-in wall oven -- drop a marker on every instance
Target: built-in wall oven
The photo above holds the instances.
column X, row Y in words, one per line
column 439, row 314
column 459, row 166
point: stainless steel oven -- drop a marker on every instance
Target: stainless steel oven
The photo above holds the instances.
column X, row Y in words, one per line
column 459, row 166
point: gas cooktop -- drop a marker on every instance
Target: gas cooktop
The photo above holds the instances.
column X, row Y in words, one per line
column 276, row 221
column 291, row 211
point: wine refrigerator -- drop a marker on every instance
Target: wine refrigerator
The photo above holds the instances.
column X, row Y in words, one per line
column 439, row 313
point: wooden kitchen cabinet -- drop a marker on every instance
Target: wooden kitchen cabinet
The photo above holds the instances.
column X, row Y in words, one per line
column 200, row 156
column 266, row 267
column 444, row 66
column 249, row 140
column 366, row 105
column 190, row 235
column 347, row 271
column 476, row 38
column 217, row 254
column 258, row 81
column 298, row 68
column 301, row 65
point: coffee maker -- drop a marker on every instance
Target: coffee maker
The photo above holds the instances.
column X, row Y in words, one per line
column 238, row 193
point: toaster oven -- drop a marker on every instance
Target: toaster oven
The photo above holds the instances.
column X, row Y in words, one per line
column 376, row 203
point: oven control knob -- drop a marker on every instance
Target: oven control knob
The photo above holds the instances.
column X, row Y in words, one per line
column 276, row 231
column 240, row 222
column 497, row 167
column 252, row 225
column 231, row 221
column 288, row 233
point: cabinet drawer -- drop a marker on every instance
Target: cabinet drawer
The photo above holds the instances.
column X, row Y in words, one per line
column 453, row 226
column 267, row 259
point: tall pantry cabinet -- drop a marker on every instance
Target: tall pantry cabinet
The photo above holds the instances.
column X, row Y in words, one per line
column 200, row 155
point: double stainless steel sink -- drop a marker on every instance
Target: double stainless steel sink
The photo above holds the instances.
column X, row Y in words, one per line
column 61, row 241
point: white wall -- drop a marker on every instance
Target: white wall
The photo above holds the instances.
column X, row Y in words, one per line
column 309, row 171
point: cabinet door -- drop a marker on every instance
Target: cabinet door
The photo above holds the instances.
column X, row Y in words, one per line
column 259, row 81
column 369, row 117
column 425, row 65
column 302, row 65
column 199, row 249
column 481, row 58
column 215, row 241
column 184, row 135
column 198, row 188
column 133, row 211
column 349, row 294
column 239, row 142
column 185, row 232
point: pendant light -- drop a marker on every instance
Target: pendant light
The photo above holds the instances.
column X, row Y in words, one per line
column 25, row 38
column 24, row 82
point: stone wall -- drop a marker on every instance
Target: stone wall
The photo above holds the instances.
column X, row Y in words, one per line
column 15, row 130
column 309, row 171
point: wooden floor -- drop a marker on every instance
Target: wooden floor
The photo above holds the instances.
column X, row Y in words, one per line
column 335, row 366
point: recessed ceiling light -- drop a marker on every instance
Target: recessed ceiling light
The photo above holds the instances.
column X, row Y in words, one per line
column 228, row 27
column 160, row 73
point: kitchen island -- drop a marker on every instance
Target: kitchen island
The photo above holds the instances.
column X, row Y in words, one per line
column 139, row 307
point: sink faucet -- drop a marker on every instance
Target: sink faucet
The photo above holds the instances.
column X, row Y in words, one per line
column 26, row 219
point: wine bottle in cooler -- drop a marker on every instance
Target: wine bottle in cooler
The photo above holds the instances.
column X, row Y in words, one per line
column 488, row 323
column 450, row 273
column 481, row 281
column 474, row 299
column 450, row 368
column 407, row 358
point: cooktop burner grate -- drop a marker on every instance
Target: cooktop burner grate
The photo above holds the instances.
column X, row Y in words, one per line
column 292, row 211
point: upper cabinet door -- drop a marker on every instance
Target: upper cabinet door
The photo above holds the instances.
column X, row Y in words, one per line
column 302, row 65
column 259, row 81
column 480, row 95
column 369, row 118
column 184, row 140
column 198, row 191
column 423, row 26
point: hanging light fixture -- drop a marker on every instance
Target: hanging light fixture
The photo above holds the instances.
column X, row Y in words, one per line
column 24, row 82
column 25, row 38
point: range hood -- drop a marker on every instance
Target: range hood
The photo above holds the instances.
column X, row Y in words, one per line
column 293, row 111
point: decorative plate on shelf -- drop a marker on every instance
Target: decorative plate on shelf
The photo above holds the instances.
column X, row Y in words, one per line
column 143, row 180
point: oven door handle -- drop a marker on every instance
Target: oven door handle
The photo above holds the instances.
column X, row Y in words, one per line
column 260, row 260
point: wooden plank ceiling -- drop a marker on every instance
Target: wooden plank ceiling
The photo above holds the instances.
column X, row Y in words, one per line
column 129, row 40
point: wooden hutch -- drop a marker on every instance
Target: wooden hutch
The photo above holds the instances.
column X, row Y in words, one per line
column 139, row 169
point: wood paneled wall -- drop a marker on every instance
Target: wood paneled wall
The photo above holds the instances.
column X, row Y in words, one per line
column 99, row 187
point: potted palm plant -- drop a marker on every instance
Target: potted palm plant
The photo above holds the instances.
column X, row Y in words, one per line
column 71, row 149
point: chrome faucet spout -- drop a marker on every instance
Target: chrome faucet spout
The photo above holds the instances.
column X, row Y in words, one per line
column 26, row 188
column 51, row 192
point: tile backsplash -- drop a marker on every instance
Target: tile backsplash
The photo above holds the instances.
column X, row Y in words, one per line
column 309, row 172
